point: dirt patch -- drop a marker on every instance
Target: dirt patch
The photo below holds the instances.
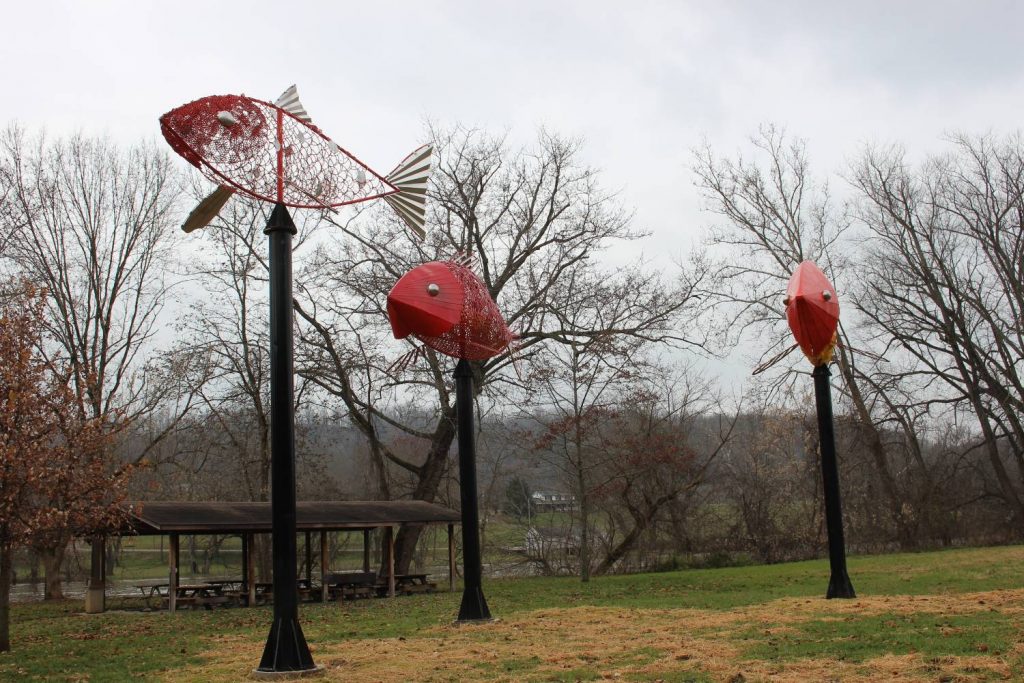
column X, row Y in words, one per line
column 620, row 643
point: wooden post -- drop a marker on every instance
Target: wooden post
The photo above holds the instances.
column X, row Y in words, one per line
column 366, row 550
column 245, row 564
column 309, row 558
column 451, row 557
column 250, row 576
column 389, row 548
column 172, row 578
column 323, row 566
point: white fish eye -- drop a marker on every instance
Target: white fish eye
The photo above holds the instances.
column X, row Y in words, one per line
column 433, row 289
column 826, row 295
column 226, row 118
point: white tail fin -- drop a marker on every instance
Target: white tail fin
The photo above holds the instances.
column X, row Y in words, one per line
column 208, row 209
column 410, row 177
column 289, row 101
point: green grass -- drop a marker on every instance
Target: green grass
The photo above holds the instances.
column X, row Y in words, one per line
column 856, row 639
column 58, row 642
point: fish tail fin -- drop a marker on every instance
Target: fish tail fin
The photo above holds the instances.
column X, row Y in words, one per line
column 207, row 209
column 410, row 177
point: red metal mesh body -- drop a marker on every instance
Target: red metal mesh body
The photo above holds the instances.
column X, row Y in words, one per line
column 478, row 333
column 310, row 172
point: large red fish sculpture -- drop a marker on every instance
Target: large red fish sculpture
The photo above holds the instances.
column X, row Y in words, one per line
column 273, row 152
column 812, row 309
column 446, row 306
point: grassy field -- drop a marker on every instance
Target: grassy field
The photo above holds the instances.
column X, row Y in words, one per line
column 949, row 616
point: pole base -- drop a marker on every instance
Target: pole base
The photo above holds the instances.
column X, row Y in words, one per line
column 839, row 586
column 286, row 649
column 474, row 606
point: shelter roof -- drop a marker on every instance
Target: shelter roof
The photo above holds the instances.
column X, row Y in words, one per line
column 152, row 517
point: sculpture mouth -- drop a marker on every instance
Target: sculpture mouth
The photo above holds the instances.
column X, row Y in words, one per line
column 408, row 318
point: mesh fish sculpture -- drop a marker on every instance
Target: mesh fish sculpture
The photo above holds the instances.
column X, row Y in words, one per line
column 446, row 306
column 274, row 153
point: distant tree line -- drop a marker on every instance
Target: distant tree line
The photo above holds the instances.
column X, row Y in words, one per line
column 165, row 337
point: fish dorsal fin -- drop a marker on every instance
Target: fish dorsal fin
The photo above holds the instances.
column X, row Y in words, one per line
column 466, row 260
column 289, row 101
column 410, row 177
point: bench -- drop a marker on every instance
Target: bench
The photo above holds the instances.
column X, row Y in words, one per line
column 341, row 585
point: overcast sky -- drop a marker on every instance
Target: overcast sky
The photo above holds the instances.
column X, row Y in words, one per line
column 642, row 83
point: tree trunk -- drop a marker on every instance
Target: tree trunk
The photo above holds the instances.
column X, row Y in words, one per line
column 641, row 522
column 905, row 532
column 53, row 558
column 431, row 473
column 584, row 534
column 5, row 597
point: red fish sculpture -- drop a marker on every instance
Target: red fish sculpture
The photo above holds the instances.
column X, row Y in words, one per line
column 812, row 309
column 274, row 153
column 447, row 307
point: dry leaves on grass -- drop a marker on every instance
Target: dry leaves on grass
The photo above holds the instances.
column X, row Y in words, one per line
column 621, row 643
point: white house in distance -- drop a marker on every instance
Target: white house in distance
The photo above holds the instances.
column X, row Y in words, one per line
column 548, row 501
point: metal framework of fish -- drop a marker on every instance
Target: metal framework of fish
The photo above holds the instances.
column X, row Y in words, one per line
column 273, row 152
column 812, row 309
column 446, row 306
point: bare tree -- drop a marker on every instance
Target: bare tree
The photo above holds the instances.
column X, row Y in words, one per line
column 532, row 219
column 776, row 217
column 943, row 285
column 664, row 437
column 95, row 226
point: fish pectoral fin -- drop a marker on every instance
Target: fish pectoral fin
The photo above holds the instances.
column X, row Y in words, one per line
column 410, row 178
column 207, row 209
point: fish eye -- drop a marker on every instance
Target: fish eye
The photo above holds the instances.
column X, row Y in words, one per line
column 826, row 295
column 226, row 118
column 433, row 289
column 785, row 302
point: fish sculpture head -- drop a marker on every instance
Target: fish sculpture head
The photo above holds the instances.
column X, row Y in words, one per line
column 812, row 310
column 426, row 301
column 230, row 127
column 447, row 306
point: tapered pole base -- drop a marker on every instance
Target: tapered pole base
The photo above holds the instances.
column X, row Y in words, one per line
column 286, row 649
column 839, row 586
column 474, row 606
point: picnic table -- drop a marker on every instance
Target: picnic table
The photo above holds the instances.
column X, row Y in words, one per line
column 265, row 591
column 342, row 585
column 413, row 583
column 350, row 585
column 205, row 595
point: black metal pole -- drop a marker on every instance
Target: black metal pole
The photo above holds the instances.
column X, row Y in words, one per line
column 474, row 605
column 286, row 648
column 839, row 585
